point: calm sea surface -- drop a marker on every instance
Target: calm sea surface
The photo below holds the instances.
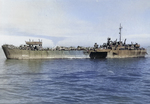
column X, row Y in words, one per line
column 75, row 81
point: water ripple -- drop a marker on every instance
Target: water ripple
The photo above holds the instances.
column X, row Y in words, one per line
column 75, row 81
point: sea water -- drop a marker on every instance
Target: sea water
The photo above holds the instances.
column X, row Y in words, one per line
column 75, row 81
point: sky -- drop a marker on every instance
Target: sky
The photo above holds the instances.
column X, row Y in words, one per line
column 74, row 22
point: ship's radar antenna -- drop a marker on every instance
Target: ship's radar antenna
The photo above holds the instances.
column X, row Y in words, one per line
column 120, row 31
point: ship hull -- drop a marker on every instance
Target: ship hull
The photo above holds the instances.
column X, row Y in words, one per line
column 117, row 54
column 16, row 53
column 43, row 54
column 126, row 53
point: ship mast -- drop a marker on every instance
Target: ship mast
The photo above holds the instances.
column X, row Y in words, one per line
column 120, row 31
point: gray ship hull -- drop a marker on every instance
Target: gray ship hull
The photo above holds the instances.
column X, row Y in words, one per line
column 117, row 54
column 16, row 53
column 126, row 53
column 42, row 54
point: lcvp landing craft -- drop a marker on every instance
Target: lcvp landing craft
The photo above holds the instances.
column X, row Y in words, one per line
column 111, row 49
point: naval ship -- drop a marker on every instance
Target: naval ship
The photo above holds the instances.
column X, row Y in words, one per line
column 34, row 50
column 111, row 49
column 117, row 49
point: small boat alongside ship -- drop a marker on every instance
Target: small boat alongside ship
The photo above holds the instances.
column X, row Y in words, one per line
column 117, row 49
column 111, row 49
